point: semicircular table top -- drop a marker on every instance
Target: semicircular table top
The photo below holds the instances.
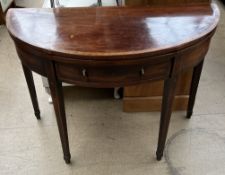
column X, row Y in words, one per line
column 110, row 31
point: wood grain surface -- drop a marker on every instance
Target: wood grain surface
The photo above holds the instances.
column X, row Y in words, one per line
column 111, row 31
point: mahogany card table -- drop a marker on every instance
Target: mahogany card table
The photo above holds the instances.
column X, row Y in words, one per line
column 106, row 47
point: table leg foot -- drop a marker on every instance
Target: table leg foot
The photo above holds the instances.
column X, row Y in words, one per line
column 189, row 114
column 67, row 159
column 38, row 115
column 159, row 155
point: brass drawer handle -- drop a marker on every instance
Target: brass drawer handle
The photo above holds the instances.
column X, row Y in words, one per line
column 142, row 71
column 84, row 73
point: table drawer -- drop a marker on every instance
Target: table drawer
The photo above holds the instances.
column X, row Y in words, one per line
column 111, row 75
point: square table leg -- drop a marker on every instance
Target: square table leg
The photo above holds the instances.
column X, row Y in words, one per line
column 194, row 87
column 167, row 105
column 30, row 83
column 58, row 102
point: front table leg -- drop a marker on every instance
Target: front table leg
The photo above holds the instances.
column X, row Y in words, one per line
column 167, row 105
column 58, row 102
column 32, row 90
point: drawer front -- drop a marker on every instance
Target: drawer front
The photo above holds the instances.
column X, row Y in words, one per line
column 109, row 74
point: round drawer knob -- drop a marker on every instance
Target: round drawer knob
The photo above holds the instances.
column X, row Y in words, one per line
column 84, row 73
column 142, row 71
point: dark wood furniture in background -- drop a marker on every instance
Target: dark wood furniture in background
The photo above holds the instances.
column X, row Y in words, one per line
column 113, row 47
column 147, row 97
column 3, row 14
column 223, row 1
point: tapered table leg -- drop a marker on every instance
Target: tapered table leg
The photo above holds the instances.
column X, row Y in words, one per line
column 117, row 2
column 100, row 2
column 52, row 2
column 194, row 86
column 31, row 87
column 58, row 102
column 167, row 104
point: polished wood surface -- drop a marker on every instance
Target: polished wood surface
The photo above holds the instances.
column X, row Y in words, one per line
column 111, row 47
column 110, row 31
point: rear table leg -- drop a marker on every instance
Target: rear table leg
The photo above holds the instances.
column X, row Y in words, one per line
column 32, row 90
column 194, row 87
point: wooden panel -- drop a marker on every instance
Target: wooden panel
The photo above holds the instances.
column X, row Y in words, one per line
column 143, row 90
column 165, row 2
column 148, row 97
column 156, row 88
column 149, row 104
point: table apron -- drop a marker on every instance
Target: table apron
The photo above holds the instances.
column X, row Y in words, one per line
column 95, row 73
column 113, row 74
